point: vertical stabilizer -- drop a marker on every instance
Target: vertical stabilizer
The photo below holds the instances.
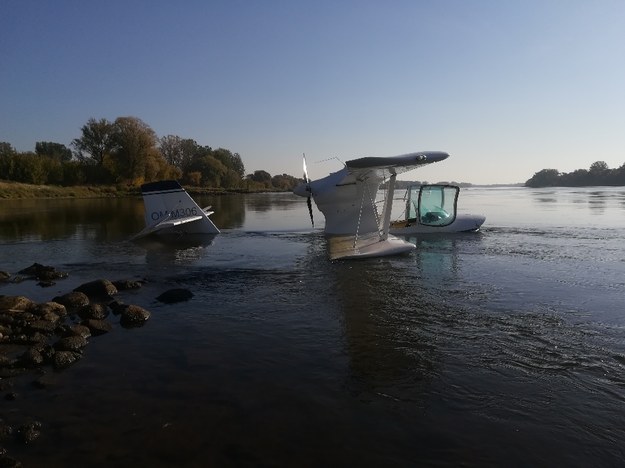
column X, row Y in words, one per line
column 169, row 205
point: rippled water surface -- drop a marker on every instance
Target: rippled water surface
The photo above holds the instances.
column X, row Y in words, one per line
column 499, row 348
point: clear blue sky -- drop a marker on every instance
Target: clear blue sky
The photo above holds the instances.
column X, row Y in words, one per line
column 506, row 87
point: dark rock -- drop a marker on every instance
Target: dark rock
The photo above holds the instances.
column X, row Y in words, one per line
column 43, row 272
column 98, row 327
column 70, row 343
column 5, row 331
column 124, row 285
column 9, row 462
column 98, row 289
column 6, row 431
column 80, row 330
column 4, row 276
column 46, row 308
column 94, row 311
column 42, row 326
column 29, row 338
column 133, row 316
column 175, row 295
column 15, row 303
column 48, row 354
column 27, row 433
column 63, row 359
column 31, row 358
column 73, row 300
column 46, row 284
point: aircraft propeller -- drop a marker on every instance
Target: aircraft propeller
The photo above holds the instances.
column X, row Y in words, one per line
column 309, row 190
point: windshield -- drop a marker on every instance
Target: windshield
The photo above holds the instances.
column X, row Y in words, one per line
column 435, row 204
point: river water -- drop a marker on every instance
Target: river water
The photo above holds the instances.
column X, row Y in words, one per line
column 499, row 348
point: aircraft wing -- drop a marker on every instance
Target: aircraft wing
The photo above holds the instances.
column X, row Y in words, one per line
column 164, row 224
column 381, row 168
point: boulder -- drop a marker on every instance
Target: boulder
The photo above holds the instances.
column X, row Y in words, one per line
column 101, row 288
column 50, row 307
column 31, row 358
column 43, row 272
column 93, row 311
column 76, row 329
column 98, row 327
column 15, row 304
column 175, row 295
column 71, row 343
column 124, row 285
column 63, row 359
column 42, row 326
column 133, row 316
column 73, row 300
column 27, row 433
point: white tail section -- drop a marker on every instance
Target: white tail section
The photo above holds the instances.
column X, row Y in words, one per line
column 169, row 209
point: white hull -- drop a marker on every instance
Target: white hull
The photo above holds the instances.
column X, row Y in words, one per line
column 462, row 223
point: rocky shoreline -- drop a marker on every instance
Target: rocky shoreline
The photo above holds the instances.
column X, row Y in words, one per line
column 41, row 337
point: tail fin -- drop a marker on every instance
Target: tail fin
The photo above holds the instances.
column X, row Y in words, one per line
column 169, row 208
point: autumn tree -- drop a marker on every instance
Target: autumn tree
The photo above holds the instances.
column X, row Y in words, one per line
column 136, row 156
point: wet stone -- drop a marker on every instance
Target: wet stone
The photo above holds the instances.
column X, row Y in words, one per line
column 31, row 358
column 46, row 308
column 27, row 433
column 98, row 327
column 97, row 289
column 42, row 326
column 76, row 329
column 15, row 303
column 63, row 359
column 73, row 300
column 94, row 311
column 175, row 295
column 71, row 343
column 124, row 285
column 133, row 316
column 43, row 272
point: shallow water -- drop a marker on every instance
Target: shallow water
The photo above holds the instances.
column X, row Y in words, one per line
column 504, row 347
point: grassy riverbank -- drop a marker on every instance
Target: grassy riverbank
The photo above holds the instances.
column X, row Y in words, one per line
column 14, row 190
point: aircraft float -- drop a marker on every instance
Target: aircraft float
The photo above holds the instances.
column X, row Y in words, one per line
column 348, row 200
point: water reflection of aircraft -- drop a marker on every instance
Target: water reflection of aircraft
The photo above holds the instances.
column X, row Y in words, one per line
column 170, row 211
column 347, row 199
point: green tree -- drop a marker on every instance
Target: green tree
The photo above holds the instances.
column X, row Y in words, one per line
column 178, row 151
column 97, row 141
column 544, row 178
column 53, row 150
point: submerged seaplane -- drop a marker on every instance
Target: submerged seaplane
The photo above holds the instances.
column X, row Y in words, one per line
column 170, row 211
column 348, row 200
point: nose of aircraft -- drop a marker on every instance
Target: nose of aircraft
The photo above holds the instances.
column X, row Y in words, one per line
column 301, row 190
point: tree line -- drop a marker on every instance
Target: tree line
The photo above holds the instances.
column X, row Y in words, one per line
column 128, row 152
column 598, row 174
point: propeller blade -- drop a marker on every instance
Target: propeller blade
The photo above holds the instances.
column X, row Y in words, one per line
column 306, row 179
column 309, row 203
column 309, row 189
